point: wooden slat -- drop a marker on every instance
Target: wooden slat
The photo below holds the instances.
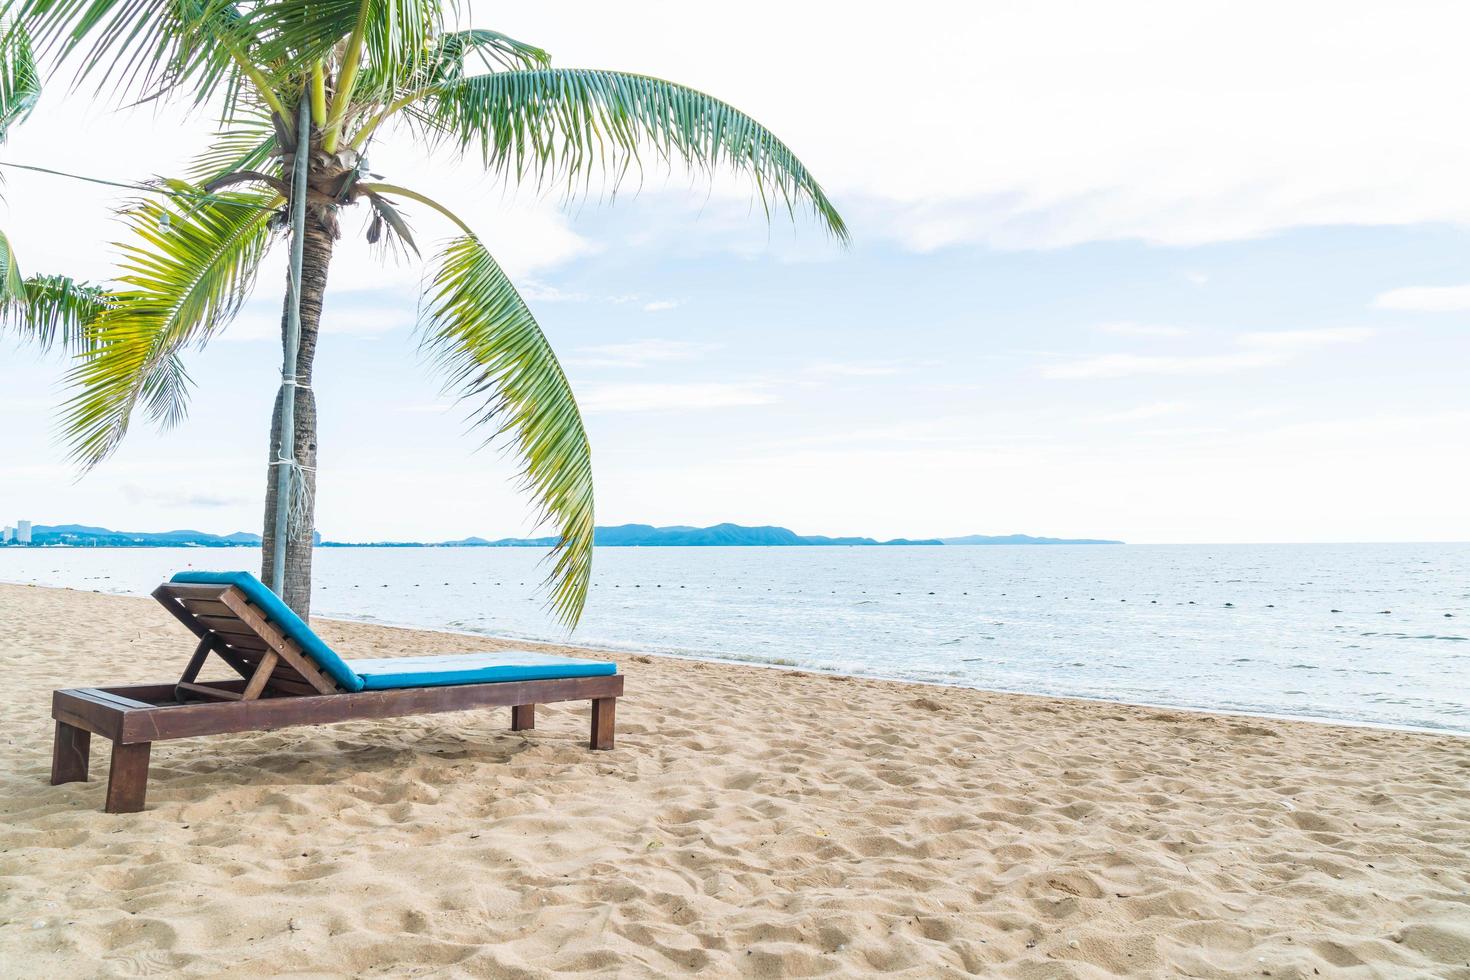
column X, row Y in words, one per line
column 232, row 658
column 156, row 694
column 226, row 625
column 258, row 680
column 196, row 662
column 111, row 698
column 79, row 710
column 246, row 643
column 279, row 642
column 290, row 685
column 206, row 607
column 205, row 690
column 167, row 597
column 266, row 714
column 193, row 590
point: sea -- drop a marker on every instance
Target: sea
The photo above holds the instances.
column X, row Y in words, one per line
column 1374, row 634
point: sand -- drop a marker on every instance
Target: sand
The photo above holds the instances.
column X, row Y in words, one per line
column 750, row 822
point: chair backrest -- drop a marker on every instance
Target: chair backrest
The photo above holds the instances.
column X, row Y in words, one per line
column 243, row 621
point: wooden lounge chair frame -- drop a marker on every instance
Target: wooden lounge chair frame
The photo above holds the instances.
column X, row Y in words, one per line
column 278, row 686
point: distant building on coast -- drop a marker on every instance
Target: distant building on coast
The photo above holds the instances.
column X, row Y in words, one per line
column 7, row 535
column 23, row 532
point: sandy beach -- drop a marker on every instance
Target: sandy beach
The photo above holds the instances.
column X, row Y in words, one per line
column 750, row 822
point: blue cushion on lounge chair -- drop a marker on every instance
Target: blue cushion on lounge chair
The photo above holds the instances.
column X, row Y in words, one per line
column 394, row 672
column 284, row 619
column 473, row 668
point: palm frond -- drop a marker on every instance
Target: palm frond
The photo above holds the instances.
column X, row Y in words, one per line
column 20, row 84
column 20, row 87
column 12, row 287
column 246, row 145
column 191, row 267
column 494, row 49
column 480, row 333
column 294, row 33
column 399, row 38
column 55, row 311
column 143, row 46
column 567, row 124
column 453, row 55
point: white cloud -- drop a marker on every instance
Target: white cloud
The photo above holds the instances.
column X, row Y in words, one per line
column 659, row 305
column 1142, row 412
column 1260, row 349
column 1298, row 139
column 638, row 353
column 1298, row 340
column 844, row 369
column 534, row 289
column 1130, row 329
column 1201, row 121
column 672, row 397
column 1127, row 365
column 1425, row 299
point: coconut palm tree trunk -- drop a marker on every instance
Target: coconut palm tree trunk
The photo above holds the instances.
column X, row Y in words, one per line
column 316, row 257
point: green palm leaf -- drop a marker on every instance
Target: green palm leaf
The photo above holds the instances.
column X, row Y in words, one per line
column 247, row 145
column 566, row 124
column 55, row 311
column 20, row 87
column 452, row 56
column 480, row 332
column 143, row 46
column 12, row 286
column 192, row 267
column 495, row 50
column 20, row 84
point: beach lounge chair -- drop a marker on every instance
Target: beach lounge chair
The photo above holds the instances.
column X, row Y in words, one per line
column 288, row 676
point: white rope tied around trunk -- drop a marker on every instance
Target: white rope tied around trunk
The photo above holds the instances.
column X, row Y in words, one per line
column 298, row 491
column 298, row 506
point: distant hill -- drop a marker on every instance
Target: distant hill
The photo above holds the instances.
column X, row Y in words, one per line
column 1021, row 539
column 620, row 536
column 679, row 536
column 648, row 536
column 84, row 536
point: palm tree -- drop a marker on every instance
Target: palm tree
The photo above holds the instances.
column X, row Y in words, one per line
column 338, row 72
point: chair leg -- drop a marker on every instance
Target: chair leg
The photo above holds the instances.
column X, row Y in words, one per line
column 604, row 710
column 69, row 754
column 127, row 781
column 522, row 717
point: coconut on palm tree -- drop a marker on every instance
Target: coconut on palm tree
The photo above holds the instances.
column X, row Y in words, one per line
column 326, row 79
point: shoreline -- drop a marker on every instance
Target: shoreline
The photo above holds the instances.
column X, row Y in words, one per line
column 750, row 822
column 698, row 656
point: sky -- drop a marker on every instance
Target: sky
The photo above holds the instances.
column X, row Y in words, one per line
column 1158, row 272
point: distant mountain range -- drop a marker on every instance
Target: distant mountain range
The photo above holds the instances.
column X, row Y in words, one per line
column 647, row 536
column 83, row 536
column 621, row 536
